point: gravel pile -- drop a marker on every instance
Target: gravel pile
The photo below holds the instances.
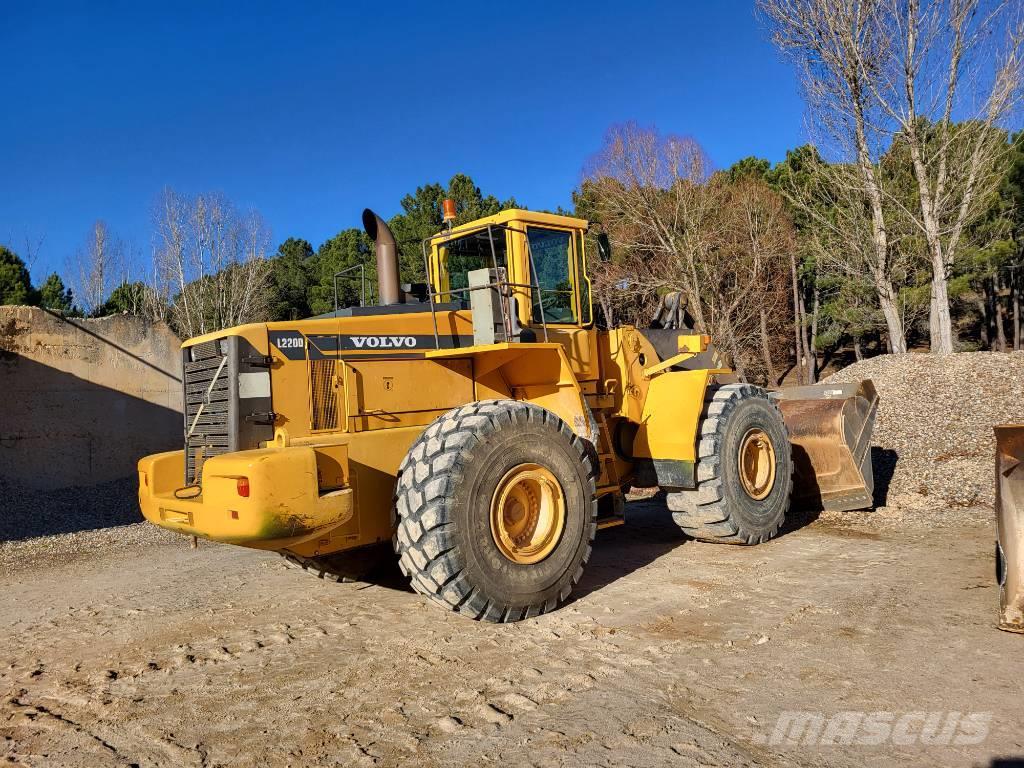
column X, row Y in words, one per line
column 933, row 438
column 48, row 526
column 67, row 548
column 29, row 513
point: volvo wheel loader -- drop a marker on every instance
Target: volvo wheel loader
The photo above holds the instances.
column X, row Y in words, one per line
column 483, row 425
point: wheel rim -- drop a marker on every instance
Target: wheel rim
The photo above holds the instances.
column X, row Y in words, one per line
column 757, row 464
column 527, row 514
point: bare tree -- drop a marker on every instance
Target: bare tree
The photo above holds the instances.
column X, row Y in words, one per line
column 883, row 71
column 951, row 58
column 721, row 245
column 101, row 264
column 837, row 47
column 210, row 265
column 759, row 239
column 840, row 240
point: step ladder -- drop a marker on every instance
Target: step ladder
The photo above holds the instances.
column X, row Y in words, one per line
column 609, row 482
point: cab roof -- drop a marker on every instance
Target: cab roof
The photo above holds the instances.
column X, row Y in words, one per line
column 518, row 215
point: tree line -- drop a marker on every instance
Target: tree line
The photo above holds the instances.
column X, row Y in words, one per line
column 776, row 261
column 211, row 265
column 900, row 224
column 764, row 257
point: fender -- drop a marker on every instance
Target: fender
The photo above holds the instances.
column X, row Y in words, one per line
column 666, row 439
column 539, row 373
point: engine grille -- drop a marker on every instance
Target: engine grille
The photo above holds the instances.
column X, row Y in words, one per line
column 325, row 396
column 212, row 434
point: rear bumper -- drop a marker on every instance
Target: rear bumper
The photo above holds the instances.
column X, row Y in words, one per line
column 284, row 506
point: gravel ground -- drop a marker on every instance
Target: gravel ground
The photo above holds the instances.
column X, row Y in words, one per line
column 126, row 648
column 934, row 444
column 671, row 653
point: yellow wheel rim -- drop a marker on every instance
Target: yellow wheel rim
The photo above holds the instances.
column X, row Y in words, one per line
column 527, row 514
column 757, row 464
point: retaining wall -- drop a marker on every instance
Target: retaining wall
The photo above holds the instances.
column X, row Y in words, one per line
column 82, row 399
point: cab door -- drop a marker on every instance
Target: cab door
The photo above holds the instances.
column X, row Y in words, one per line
column 560, row 294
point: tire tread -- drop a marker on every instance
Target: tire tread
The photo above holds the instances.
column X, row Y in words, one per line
column 703, row 513
column 427, row 478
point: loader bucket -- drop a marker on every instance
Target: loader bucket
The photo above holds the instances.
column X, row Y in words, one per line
column 830, row 427
column 1010, row 525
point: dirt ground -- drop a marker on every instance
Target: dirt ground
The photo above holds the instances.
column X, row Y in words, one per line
column 672, row 653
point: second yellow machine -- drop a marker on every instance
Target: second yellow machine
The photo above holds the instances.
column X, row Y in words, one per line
column 485, row 426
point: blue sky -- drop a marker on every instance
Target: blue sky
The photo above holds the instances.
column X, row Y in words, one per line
column 311, row 112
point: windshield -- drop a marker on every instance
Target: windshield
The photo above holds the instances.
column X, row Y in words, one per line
column 470, row 252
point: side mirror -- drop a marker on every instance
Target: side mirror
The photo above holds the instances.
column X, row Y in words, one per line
column 604, row 247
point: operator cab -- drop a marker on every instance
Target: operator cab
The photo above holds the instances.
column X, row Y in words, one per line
column 536, row 259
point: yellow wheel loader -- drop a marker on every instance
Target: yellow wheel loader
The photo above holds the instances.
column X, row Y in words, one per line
column 486, row 427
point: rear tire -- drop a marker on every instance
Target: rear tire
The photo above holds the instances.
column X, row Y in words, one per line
column 729, row 506
column 342, row 567
column 452, row 510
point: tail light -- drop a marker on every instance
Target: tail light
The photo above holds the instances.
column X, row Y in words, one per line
column 243, row 487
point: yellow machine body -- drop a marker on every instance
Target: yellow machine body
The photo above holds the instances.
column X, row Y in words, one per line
column 1010, row 525
column 321, row 412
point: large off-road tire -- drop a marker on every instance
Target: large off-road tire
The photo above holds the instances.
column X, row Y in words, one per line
column 744, row 470
column 343, row 567
column 496, row 510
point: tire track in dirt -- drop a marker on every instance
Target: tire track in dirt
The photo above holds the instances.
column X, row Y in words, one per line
column 668, row 657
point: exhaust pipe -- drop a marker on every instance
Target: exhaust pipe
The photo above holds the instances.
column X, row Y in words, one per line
column 1010, row 525
column 388, row 290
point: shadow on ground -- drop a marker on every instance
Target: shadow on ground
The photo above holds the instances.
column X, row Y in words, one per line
column 648, row 534
column 883, row 460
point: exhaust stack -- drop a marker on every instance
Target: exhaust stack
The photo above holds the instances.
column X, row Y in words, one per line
column 388, row 290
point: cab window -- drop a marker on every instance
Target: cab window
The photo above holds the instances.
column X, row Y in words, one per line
column 468, row 253
column 552, row 258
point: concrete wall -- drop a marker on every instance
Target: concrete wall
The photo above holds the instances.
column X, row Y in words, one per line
column 82, row 400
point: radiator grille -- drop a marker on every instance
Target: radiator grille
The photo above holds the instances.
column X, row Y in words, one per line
column 324, row 394
column 212, row 434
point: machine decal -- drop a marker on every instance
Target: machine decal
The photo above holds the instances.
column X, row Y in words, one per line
column 384, row 342
column 343, row 342
column 291, row 344
column 294, row 345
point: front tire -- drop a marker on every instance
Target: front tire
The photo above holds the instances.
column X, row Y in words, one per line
column 744, row 470
column 497, row 510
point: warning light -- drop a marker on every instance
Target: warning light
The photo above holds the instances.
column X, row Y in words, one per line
column 243, row 487
column 448, row 210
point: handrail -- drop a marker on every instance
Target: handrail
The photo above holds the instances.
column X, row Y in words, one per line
column 362, row 284
column 362, row 291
